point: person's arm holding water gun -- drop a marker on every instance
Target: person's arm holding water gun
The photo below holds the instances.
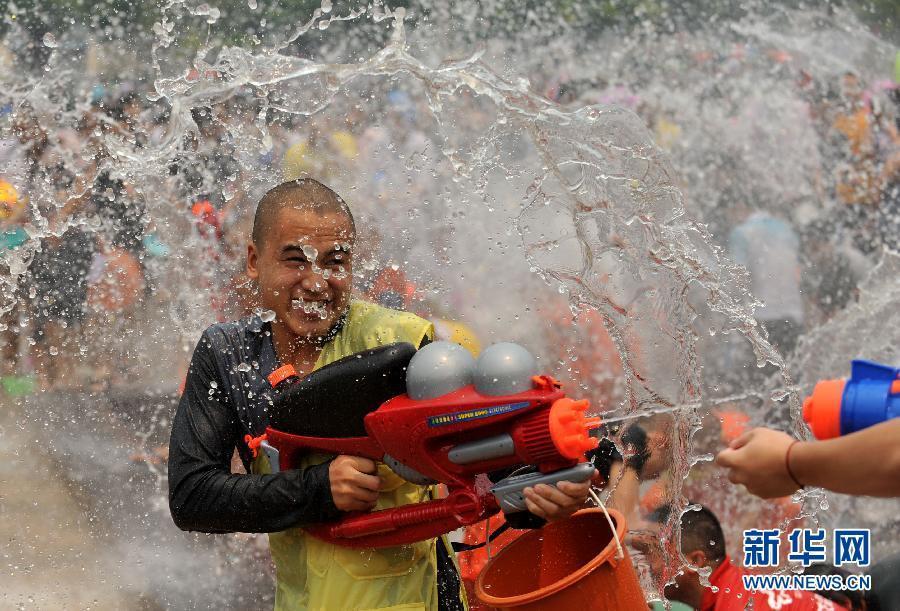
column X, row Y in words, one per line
column 203, row 493
column 646, row 456
column 205, row 496
column 773, row 464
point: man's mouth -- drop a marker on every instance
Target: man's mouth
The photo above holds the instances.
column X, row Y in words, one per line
column 311, row 307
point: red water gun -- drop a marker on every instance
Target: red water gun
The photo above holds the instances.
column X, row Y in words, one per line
column 433, row 416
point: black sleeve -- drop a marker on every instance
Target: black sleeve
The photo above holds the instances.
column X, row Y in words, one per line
column 204, row 495
column 603, row 457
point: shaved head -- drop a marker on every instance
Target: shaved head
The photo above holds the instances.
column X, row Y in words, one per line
column 299, row 194
column 700, row 530
column 301, row 258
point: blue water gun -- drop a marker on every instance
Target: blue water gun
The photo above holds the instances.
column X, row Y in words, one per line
column 840, row 407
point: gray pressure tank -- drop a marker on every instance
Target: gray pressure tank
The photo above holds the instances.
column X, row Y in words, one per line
column 504, row 369
column 437, row 369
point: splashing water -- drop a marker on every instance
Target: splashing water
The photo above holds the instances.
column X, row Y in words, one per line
column 552, row 223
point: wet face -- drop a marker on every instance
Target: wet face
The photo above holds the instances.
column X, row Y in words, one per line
column 686, row 587
column 685, row 581
column 646, row 543
column 304, row 272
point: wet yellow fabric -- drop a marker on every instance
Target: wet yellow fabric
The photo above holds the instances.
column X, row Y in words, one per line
column 458, row 333
column 315, row 575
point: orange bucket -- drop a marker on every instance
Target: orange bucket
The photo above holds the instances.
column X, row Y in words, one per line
column 569, row 564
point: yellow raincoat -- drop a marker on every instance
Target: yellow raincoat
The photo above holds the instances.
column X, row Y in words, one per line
column 315, row 575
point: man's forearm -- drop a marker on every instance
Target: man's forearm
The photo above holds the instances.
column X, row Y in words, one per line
column 625, row 494
column 866, row 462
column 205, row 496
column 214, row 501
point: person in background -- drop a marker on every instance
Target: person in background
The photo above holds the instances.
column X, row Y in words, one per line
column 12, row 236
column 830, row 277
column 888, row 220
column 769, row 248
column 12, row 218
column 703, row 547
column 863, row 143
column 58, row 288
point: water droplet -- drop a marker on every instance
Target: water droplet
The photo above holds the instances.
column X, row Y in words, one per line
column 326, row 6
column 252, row 4
column 310, row 253
column 244, row 367
column 50, row 41
column 779, row 395
column 267, row 315
column 213, row 384
column 54, row 350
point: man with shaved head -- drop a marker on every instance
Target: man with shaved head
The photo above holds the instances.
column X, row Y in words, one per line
column 301, row 258
column 702, row 544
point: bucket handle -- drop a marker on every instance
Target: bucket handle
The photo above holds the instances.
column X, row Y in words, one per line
column 620, row 553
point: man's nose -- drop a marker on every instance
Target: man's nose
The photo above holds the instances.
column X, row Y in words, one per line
column 313, row 283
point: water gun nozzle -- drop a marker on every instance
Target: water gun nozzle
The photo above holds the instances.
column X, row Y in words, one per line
column 839, row 407
column 569, row 428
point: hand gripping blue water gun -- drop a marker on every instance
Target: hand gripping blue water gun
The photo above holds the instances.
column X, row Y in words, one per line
column 840, row 407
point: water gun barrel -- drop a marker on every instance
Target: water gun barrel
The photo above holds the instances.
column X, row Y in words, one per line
column 562, row 432
column 839, row 407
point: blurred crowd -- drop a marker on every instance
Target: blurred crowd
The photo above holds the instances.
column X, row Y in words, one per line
column 97, row 250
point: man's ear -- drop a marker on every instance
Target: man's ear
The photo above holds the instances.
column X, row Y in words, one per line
column 252, row 260
column 697, row 559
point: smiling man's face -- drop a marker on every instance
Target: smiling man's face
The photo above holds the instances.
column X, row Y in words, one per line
column 304, row 271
